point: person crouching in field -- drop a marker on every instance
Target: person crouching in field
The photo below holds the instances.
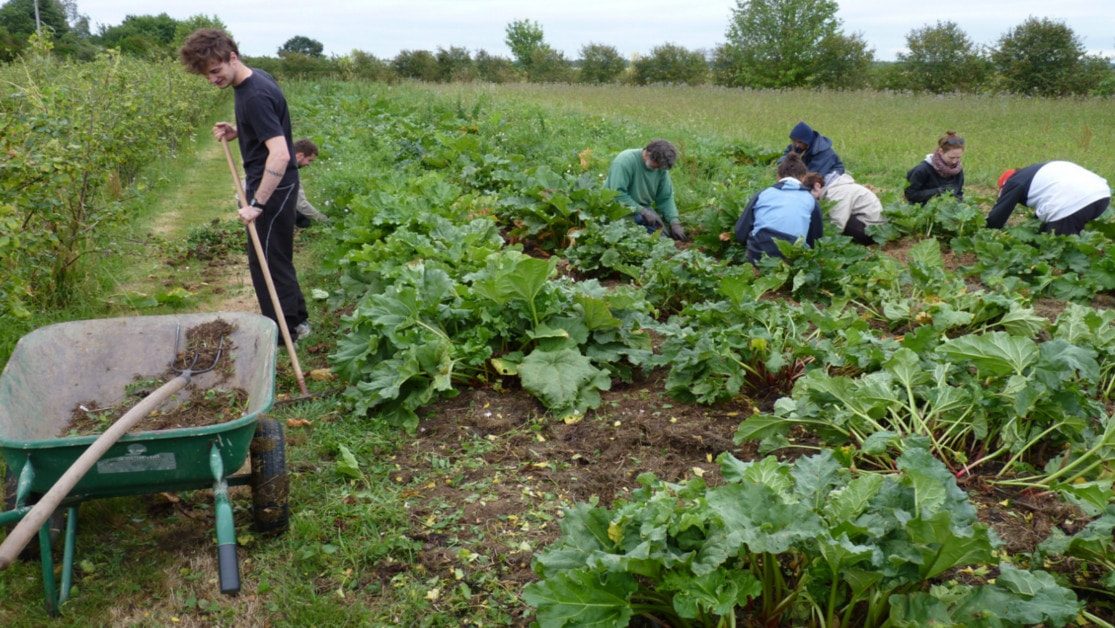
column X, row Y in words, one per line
column 940, row 172
column 642, row 178
column 788, row 210
column 1063, row 195
column 815, row 150
column 263, row 131
column 854, row 207
column 305, row 152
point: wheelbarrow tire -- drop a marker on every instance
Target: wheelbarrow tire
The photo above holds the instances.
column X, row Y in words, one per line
column 57, row 519
column 269, row 481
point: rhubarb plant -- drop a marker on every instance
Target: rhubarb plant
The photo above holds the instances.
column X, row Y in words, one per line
column 787, row 544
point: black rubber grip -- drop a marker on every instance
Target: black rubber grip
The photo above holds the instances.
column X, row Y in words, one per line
column 228, row 569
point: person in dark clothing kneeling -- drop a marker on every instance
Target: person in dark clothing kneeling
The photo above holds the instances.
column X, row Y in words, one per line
column 1064, row 196
column 788, row 210
column 940, row 173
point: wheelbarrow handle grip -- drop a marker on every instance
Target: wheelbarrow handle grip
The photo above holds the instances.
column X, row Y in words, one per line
column 23, row 532
column 262, row 257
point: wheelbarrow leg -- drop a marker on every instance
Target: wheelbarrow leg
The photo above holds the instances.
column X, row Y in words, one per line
column 47, row 560
column 68, row 555
column 56, row 597
column 228, row 568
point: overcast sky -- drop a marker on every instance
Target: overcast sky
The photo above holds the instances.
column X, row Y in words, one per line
column 384, row 27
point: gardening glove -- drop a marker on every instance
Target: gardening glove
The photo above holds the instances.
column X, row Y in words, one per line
column 650, row 218
column 677, row 232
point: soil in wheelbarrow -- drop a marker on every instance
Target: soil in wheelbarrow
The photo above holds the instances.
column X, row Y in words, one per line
column 210, row 343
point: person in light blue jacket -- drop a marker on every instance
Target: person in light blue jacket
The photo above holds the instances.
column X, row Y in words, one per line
column 788, row 210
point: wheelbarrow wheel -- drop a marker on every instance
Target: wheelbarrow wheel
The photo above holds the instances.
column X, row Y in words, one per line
column 57, row 520
column 269, row 481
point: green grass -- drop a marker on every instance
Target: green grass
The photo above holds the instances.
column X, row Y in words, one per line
column 878, row 135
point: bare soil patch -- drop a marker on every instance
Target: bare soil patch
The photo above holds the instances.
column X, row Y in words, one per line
column 529, row 466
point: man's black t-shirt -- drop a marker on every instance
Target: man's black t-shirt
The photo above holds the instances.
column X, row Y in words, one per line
column 261, row 114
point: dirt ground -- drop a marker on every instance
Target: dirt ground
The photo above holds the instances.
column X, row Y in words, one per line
column 539, row 465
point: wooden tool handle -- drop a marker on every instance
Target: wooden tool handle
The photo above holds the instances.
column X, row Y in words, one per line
column 21, row 535
column 254, row 234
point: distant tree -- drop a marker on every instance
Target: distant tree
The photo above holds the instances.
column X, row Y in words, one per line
column 1096, row 76
column 416, row 64
column 670, row 63
column 600, row 63
column 184, row 27
column 524, row 38
column 300, row 44
column 18, row 17
column 141, row 35
column 1039, row 57
column 784, row 43
column 455, row 65
column 362, row 65
column 844, row 62
column 540, row 62
column 548, row 66
column 17, row 23
column 495, row 69
column 941, row 59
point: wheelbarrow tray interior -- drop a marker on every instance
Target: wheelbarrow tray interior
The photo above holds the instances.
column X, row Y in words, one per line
column 55, row 368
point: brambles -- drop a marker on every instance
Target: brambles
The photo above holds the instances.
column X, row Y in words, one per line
column 72, row 134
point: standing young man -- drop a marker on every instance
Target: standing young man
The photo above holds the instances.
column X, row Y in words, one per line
column 263, row 130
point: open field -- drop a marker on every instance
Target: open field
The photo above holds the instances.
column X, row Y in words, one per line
column 971, row 372
column 879, row 135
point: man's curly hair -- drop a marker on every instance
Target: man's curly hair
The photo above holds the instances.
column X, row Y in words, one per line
column 662, row 153
column 204, row 46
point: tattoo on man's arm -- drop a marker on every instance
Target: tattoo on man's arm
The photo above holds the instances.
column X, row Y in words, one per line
column 274, row 173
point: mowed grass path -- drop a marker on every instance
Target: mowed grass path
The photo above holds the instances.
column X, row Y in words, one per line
column 879, row 135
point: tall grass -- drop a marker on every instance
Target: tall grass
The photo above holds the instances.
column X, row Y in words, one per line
column 879, row 135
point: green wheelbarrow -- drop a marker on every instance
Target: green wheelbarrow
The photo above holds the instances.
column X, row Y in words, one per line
column 55, row 368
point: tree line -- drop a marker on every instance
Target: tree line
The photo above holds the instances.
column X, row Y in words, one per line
column 768, row 44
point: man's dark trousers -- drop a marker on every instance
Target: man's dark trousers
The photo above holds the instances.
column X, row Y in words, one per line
column 276, row 235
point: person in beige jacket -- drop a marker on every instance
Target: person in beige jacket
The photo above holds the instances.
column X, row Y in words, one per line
column 854, row 207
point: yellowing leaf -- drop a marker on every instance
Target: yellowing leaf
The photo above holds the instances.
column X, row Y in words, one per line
column 298, row 423
column 585, row 157
column 615, row 532
column 503, row 367
column 699, row 472
column 322, row 375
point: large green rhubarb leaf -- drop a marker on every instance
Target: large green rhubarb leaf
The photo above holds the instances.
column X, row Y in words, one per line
column 564, row 380
column 582, row 598
column 997, row 353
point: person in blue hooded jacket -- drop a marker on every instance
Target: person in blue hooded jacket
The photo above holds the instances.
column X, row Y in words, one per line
column 788, row 210
column 815, row 151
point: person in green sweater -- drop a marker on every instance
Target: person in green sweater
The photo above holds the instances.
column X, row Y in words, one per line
column 642, row 178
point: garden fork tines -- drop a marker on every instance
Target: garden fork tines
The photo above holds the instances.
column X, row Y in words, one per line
column 188, row 370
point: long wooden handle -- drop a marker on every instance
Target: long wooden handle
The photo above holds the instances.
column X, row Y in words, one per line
column 21, row 535
column 254, row 234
